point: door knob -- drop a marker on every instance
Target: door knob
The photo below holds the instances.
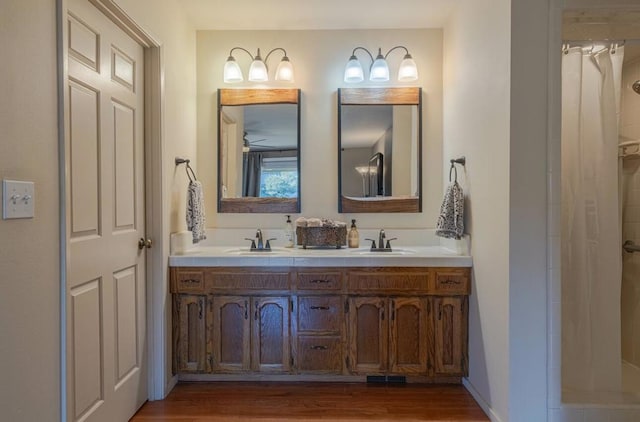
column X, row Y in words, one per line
column 144, row 243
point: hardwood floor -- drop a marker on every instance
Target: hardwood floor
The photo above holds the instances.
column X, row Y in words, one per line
column 270, row 402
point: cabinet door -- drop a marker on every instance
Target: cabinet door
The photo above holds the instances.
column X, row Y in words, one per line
column 189, row 333
column 450, row 328
column 270, row 334
column 408, row 336
column 368, row 335
column 230, row 342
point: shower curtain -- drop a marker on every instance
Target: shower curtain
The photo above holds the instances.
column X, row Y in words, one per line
column 591, row 228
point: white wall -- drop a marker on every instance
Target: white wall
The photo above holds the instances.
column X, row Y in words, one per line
column 29, row 249
column 29, row 271
column 319, row 58
column 476, row 125
column 495, row 114
column 630, row 128
column 530, row 72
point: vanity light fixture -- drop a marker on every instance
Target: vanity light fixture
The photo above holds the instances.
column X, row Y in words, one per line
column 379, row 70
column 258, row 71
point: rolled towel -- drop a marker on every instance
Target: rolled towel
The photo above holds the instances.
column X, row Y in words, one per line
column 340, row 224
column 314, row 222
column 195, row 211
column 301, row 222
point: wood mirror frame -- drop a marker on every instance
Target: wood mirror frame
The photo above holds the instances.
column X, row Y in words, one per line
column 380, row 96
column 241, row 97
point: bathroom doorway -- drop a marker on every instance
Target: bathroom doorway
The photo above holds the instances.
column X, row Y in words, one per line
column 601, row 207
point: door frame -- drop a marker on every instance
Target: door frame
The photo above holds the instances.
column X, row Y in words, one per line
column 160, row 381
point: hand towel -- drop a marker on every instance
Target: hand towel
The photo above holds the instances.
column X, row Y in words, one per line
column 195, row 211
column 451, row 222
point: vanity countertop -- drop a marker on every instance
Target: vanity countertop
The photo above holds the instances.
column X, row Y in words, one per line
column 411, row 256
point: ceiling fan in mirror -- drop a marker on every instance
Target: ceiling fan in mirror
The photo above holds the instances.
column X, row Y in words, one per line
column 255, row 144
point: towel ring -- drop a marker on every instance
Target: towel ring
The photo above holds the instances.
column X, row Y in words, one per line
column 192, row 176
column 188, row 168
column 462, row 161
column 455, row 172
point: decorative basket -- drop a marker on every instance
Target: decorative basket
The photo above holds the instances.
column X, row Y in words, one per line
column 321, row 237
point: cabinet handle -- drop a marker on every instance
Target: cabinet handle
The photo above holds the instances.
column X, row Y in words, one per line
column 246, row 310
column 393, row 310
column 440, row 311
column 200, row 309
column 189, row 280
column 255, row 314
column 382, row 313
column 450, row 281
column 318, row 347
column 319, row 280
column 322, row 308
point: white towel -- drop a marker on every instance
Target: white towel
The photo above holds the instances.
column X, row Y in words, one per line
column 195, row 211
column 451, row 222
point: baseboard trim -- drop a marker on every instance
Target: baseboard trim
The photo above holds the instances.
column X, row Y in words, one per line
column 307, row 378
column 486, row 407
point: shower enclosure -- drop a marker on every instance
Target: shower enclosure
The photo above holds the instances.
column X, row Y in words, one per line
column 600, row 222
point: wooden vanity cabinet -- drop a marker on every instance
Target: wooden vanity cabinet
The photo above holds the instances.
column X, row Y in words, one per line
column 319, row 322
column 189, row 332
column 390, row 335
column 249, row 334
column 450, row 335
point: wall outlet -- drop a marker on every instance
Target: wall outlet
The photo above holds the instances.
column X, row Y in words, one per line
column 17, row 199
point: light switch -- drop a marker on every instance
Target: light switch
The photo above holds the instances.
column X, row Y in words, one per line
column 17, row 199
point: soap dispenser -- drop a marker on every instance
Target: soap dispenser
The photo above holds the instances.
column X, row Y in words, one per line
column 354, row 237
column 288, row 233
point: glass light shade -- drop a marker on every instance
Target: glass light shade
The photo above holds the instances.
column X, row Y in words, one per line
column 379, row 70
column 232, row 72
column 408, row 70
column 353, row 72
column 284, row 72
column 363, row 170
column 258, row 71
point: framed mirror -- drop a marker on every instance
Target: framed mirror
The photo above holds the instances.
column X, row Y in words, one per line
column 379, row 150
column 258, row 150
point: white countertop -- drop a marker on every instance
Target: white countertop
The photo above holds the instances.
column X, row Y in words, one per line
column 234, row 256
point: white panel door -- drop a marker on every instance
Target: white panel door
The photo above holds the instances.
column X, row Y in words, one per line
column 106, row 294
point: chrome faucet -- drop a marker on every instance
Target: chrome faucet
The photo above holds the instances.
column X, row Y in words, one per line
column 259, row 237
column 381, row 238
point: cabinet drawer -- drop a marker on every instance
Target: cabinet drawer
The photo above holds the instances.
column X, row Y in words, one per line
column 319, row 281
column 189, row 281
column 319, row 354
column 248, row 280
column 452, row 282
column 320, row 313
column 386, row 282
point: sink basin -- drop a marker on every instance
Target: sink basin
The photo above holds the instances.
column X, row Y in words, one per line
column 247, row 252
column 393, row 252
